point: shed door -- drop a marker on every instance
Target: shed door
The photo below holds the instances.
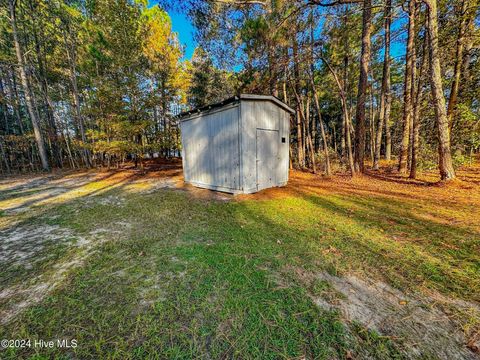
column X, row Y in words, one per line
column 267, row 158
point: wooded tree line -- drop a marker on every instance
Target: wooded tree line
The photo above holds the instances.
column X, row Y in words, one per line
column 369, row 79
column 94, row 83
column 87, row 83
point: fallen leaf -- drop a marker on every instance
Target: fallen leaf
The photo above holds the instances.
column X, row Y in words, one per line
column 474, row 344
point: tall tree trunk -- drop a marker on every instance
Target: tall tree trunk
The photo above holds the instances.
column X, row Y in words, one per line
column 469, row 43
column 447, row 171
column 26, row 88
column 417, row 100
column 164, row 119
column 312, row 82
column 388, row 133
column 306, row 129
column 334, row 139
column 346, row 118
column 346, row 49
column 416, row 116
column 42, row 77
column 3, row 106
column 462, row 28
column 314, row 126
column 72, row 61
column 322, row 129
column 308, row 138
column 416, row 10
column 312, row 153
column 407, row 93
column 4, row 156
column 304, row 119
column 290, row 162
column 348, row 138
column 311, row 150
column 272, row 69
column 362, row 86
column 66, row 138
column 382, row 116
column 343, row 142
column 13, row 94
column 300, row 155
column 272, row 54
column 296, row 86
column 372, row 124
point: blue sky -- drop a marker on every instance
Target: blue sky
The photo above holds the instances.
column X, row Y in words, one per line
column 184, row 28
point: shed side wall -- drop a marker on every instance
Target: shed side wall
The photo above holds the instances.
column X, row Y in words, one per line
column 211, row 149
column 267, row 116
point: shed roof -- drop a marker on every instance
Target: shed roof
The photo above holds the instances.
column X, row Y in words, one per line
column 252, row 97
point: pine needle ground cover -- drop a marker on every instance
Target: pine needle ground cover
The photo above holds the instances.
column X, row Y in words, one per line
column 138, row 266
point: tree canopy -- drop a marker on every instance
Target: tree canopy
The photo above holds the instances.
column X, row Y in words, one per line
column 89, row 83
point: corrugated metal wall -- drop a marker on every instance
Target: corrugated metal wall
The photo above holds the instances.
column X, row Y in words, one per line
column 258, row 117
column 237, row 148
column 210, row 149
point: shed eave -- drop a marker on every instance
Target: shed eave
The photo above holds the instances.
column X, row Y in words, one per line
column 206, row 109
column 272, row 98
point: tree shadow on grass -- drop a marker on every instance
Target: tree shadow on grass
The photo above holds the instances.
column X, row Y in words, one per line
column 48, row 193
column 214, row 265
column 33, row 246
column 398, row 178
column 217, row 302
column 344, row 242
column 437, row 251
column 274, row 246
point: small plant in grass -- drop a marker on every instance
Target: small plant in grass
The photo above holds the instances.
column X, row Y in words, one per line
column 370, row 344
column 323, row 289
column 319, row 287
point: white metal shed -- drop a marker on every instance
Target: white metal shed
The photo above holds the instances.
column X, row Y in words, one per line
column 240, row 145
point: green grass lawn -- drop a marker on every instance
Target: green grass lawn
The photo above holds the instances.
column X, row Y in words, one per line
column 180, row 277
